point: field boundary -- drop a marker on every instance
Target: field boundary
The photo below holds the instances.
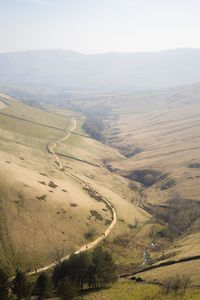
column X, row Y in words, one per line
column 161, row 265
column 32, row 122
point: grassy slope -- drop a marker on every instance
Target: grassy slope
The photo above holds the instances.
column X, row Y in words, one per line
column 110, row 185
column 39, row 227
column 166, row 126
column 190, row 269
column 127, row 290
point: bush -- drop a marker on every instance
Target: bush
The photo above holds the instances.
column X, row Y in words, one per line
column 90, row 234
column 177, row 284
column 73, row 204
column 178, row 215
column 96, row 214
column 168, row 184
column 21, row 288
column 134, row 225
column 52, row 184
column 195, row 165
column 121, row 240
column 67, row 289
column 147, row 176
column 43, row 286
column 4, row 286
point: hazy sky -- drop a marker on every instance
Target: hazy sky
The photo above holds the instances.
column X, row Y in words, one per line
column 92, row 26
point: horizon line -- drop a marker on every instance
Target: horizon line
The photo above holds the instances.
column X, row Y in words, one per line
column 99, row 53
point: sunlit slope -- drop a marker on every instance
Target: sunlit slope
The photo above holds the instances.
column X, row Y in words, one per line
column 47, row 212
column 44, row 209
column 164, row 127
column 24, row 112
column 86, row 157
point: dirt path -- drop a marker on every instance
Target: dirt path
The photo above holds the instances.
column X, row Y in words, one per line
column 90, row 245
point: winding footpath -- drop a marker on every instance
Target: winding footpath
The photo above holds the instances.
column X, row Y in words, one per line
column 94, row 243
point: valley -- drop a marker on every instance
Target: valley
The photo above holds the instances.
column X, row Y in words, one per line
column 64, row 191
column 38, row 194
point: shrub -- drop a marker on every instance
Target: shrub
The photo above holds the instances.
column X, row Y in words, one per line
column 96, row 215
column 4, row 286
column 147, row 176
column 168, row 184
column 90, row 234
column 21, row 288
column 42, row 286
column 73, row 204
column 52, row 184
column 67, row 289
column 195, row 165
column 177, row 284
column 43, row 197
column 108, row 222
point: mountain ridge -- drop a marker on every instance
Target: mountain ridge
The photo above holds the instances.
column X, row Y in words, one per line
column 68, row 69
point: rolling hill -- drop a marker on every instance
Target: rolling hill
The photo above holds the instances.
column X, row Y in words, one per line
column 46, row 212
column 70, row 71
column 157, row 133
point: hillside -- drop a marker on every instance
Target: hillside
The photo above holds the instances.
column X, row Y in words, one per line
column 158, row 135
column 51, row 205
column 66, row 71
column 47, row 213
column 160, row 131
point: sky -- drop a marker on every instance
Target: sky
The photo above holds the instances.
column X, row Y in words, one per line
column 99, row 26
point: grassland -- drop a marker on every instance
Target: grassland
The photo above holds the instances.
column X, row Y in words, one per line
column 191, row 269
column 157, row 135
column 46, row 211
column 128, row 290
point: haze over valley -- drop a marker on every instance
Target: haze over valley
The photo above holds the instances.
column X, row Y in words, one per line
column 68, row 70
column 99, row 150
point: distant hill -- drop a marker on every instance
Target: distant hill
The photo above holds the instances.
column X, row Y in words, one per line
column 111, row 71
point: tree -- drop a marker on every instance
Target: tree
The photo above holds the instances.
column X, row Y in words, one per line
column 42, row 286
column 167, row 285
column 4, row 286
column 78, row 266
column 83, row 269
column 175, row 202
column 103, row 270
column 21, row 288
column 58, row 252
column 186, row 281
column 76, row 269
column 176, row 284
column 67, row 289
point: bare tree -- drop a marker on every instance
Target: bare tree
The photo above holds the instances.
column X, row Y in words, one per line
column 177, row 284
column 175, row 202
column 186, row 282
column 59, row 252
column 167, row 285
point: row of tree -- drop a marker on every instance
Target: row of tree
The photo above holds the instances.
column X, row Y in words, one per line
column 87, row 270
column 82, row 271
